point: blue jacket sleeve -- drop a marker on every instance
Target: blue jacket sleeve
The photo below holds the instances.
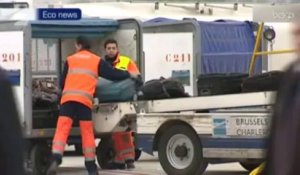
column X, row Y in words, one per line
column 108, row 72
column 64, row 75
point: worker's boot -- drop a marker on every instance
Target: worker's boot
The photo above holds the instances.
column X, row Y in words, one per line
column 55, row 161
column 91, row 167
column 130, row 164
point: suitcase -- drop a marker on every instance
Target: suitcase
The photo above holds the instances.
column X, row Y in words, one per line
column 217, row 84
column 174, row 88
column 269, row 81
column 115, row 91
column 161, row 89
column 152, row 90
column 45, row 93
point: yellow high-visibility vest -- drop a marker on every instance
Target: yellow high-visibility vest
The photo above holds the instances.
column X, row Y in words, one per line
column 123, row 63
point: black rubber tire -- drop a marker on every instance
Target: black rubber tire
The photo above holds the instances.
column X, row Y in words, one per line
column 250, row 166
column 198, row 165
column 105, row 152
column 40, row 157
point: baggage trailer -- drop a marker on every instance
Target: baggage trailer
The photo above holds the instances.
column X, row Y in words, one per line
column 35, row 51
column 187, row 139
column 189, row 133
column 174, row 127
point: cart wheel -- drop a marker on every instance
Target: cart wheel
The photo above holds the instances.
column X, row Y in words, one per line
column 250, row 166
column 180, row 151
column 105, row 152
column 40, row 156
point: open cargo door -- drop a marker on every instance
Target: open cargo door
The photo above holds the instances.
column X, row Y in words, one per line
column 63, row 36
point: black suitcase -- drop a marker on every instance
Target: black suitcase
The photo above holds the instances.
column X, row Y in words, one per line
column 269, row 81
column 161, row 89
column 217, row 84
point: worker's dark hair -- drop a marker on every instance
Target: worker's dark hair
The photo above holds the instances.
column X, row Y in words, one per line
column 110, row 41
column 84, row 42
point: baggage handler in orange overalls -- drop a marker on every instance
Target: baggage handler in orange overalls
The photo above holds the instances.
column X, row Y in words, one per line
column 79, row 80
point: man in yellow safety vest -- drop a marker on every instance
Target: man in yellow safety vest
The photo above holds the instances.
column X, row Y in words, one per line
column 122, row 141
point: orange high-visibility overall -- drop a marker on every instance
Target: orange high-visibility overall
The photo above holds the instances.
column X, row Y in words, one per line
column 80, row 85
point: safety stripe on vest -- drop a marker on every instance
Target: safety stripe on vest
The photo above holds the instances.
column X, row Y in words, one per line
column 81, row 56
column 83, row 71
column 78, row 92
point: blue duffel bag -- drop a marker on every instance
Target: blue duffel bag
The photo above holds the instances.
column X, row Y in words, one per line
column 116, row 91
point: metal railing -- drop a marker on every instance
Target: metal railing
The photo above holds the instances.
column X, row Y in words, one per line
column 256, row 51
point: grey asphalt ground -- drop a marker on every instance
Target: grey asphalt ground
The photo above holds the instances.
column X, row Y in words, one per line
column 148, row 165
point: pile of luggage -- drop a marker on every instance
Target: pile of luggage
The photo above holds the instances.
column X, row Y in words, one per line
column 129, row 90
column 218, row 84
column 45, row 93
column 165, row 88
